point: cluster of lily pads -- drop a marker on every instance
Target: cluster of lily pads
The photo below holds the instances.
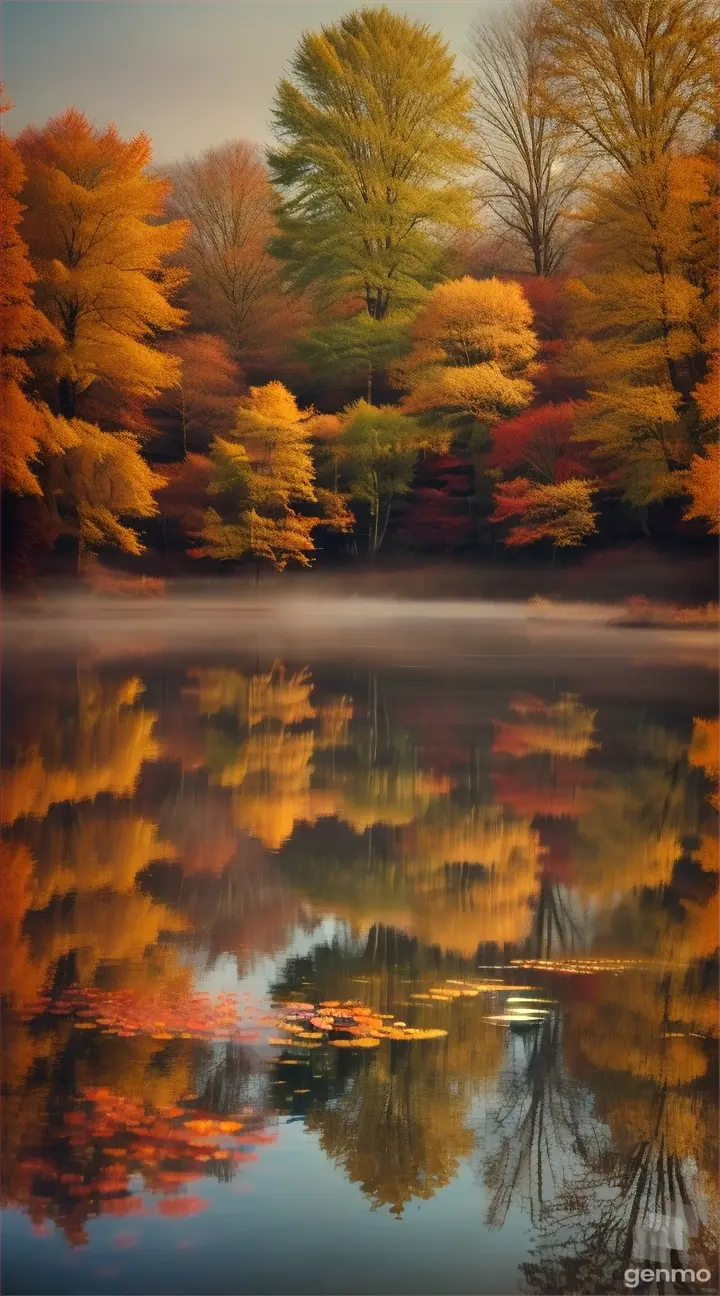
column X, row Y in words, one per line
column 342, row 1024
column 349, row 1023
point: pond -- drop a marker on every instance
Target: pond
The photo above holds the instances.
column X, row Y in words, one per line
column 357, row 952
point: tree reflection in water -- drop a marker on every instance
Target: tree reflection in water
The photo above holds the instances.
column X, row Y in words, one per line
column 167, row 824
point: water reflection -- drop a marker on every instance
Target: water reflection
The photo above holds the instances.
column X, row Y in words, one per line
column 176, row 833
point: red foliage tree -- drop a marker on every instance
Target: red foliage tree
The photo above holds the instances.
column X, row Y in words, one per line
column 539, row 440
column 184, row 499
column 438, row 515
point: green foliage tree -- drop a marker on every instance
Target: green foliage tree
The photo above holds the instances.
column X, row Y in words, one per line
column 258, row 477
column 380, row 446
column 374, row 139
column 356, row 349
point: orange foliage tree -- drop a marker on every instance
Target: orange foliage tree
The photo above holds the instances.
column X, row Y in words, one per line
column 100, row 253
column 26, row 432
column 203, row 400
column 703, row 485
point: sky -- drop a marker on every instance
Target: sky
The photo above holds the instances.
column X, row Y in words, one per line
column 191, row 73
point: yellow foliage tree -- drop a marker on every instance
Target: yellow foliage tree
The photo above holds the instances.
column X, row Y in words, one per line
column 644, row 329
column 258, row 477
column 100, row 479
column 473, row 345
column 109, row 743
column 562, row 513
column 631, row 79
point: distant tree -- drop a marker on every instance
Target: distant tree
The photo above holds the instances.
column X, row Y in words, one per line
column 329, row 456
column 25, row 432
column 561, row 513
column 374, row 138
column 183, row 498
column 204, row 398
column 236, row 285
column 532, row 167
column 438, row 513
column 358, row 348
column 100, row 253
column 381, row 446
column 473, row 344
column 259, row 475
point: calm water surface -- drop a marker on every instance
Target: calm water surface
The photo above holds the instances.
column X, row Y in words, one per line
column 508, row 846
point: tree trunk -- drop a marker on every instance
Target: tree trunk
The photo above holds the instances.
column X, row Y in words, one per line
column 66, row 397
column 385, row 524
column 80, row 554
column 370, row 382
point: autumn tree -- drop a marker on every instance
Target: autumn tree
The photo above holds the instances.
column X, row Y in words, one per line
column 703, row 486
column 26, row 433
column 99, row 483
column 438, row 514
column 381, row 446
column 235, row 287
column 182, row 501
column 356, row 349
column 561, row 513
column 203, row 400
column 541, row 442
column 632, row 79
column 259, row 477
column 99, row 256
column 329, row 455
column 635, row 82
column 642, row 329
column 473, row 344
column 532, row 169
column 373, row 135
column 100, row 253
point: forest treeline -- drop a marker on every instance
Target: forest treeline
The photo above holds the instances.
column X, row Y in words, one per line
column 442, row 312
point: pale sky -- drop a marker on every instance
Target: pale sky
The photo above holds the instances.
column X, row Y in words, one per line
column 191, row 73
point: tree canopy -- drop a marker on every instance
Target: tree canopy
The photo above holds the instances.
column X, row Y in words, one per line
column 374, row 145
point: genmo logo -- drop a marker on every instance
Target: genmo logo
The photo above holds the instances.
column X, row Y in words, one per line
column 635, row 1276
